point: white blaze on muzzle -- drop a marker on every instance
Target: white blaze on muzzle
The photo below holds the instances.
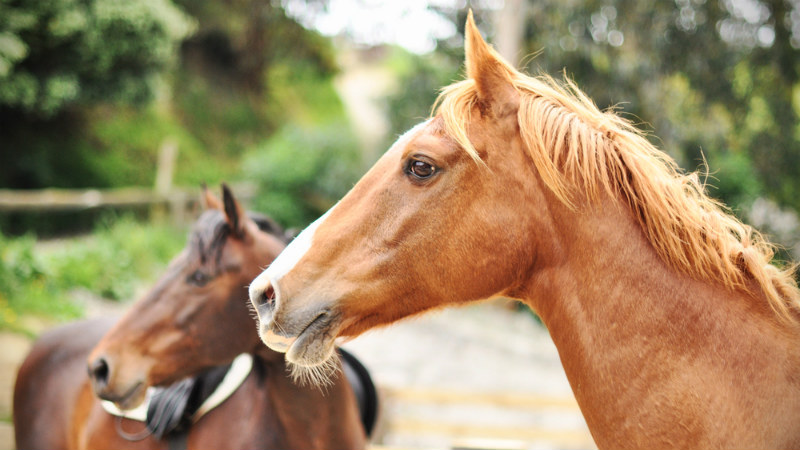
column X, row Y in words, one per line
column 286, row 261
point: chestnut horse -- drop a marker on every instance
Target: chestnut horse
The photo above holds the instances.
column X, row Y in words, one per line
column 672, row 326
column 195, row 317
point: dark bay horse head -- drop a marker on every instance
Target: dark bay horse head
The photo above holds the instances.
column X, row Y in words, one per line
column 176, row 329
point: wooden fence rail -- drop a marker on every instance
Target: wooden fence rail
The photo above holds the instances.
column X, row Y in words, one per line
column 179, row 201
column 76, row 200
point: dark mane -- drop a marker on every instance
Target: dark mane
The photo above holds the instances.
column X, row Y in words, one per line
column 268, row 225
column 211, row 230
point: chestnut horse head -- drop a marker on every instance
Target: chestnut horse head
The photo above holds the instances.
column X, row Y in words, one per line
column 175, row 329
column 521, row 187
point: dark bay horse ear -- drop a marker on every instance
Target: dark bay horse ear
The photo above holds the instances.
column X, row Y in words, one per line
column 210, row 200
column 233, row 212
column 493, row 76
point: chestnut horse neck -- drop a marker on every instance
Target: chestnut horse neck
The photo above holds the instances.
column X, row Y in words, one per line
column 649, row 267
column 581, row 153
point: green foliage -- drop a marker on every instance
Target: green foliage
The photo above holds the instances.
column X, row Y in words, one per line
column 223, row 121
column 314, row 159
column 739, row 185
column 58, row 52
column 301, row 94
column 38, row 279
column 26, row 286
column 59, row 60
column 238, row 72
column 107, row 146
column 245, row 71
column 118, row 255
column 303, row 170
column 699, row 73
column 419, row 78
column 124, row 144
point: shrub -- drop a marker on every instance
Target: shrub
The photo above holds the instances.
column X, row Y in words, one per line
column 303, row 170
column 27, row 285
column 40, row 278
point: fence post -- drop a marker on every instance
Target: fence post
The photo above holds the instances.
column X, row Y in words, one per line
column 165, row 168
column 167, row 154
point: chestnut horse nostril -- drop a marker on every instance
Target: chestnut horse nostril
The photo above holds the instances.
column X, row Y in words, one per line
column 98, row 372
column 266, row 298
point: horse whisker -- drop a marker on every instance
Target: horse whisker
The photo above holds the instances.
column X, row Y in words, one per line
column 320, row 375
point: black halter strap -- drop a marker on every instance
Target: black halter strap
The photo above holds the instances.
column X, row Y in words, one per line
column 364, row 389
column 171, row 410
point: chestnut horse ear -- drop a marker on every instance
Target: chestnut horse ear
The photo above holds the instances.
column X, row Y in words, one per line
column 210, row 200
column 233, row 212
column 493, row 76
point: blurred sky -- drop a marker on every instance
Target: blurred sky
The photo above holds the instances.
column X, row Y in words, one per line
column 412, row 24
column 415, row 25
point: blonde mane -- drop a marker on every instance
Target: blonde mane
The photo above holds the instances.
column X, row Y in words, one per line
column 580, row 151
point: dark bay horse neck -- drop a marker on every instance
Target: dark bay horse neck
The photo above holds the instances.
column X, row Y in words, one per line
column 674, row 328
column 194, row 318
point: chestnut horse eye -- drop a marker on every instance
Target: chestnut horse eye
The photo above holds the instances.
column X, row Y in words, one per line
column 421, row 169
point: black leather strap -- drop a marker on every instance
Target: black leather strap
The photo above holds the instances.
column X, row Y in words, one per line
column 363, row 387
column 172, row 408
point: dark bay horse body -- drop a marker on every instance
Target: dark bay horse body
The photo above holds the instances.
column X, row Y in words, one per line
column 673, row 327
column 195, row 318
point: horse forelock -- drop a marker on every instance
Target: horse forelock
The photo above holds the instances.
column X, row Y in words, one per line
column 208, row 236
column 580, row 152
column 212, row 230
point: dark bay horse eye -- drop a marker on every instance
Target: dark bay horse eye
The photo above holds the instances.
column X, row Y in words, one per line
column 420, row 169
column 198, row 278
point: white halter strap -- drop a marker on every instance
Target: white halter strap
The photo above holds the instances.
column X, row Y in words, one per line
column 238, row 372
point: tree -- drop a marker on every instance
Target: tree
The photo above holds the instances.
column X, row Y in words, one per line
column 715, row 80
column 57, row 53
column 224, row 85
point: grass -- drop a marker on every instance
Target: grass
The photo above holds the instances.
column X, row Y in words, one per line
column 39, row 278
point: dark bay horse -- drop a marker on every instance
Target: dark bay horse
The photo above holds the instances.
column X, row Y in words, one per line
column 673, row 327
column 195, row 318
